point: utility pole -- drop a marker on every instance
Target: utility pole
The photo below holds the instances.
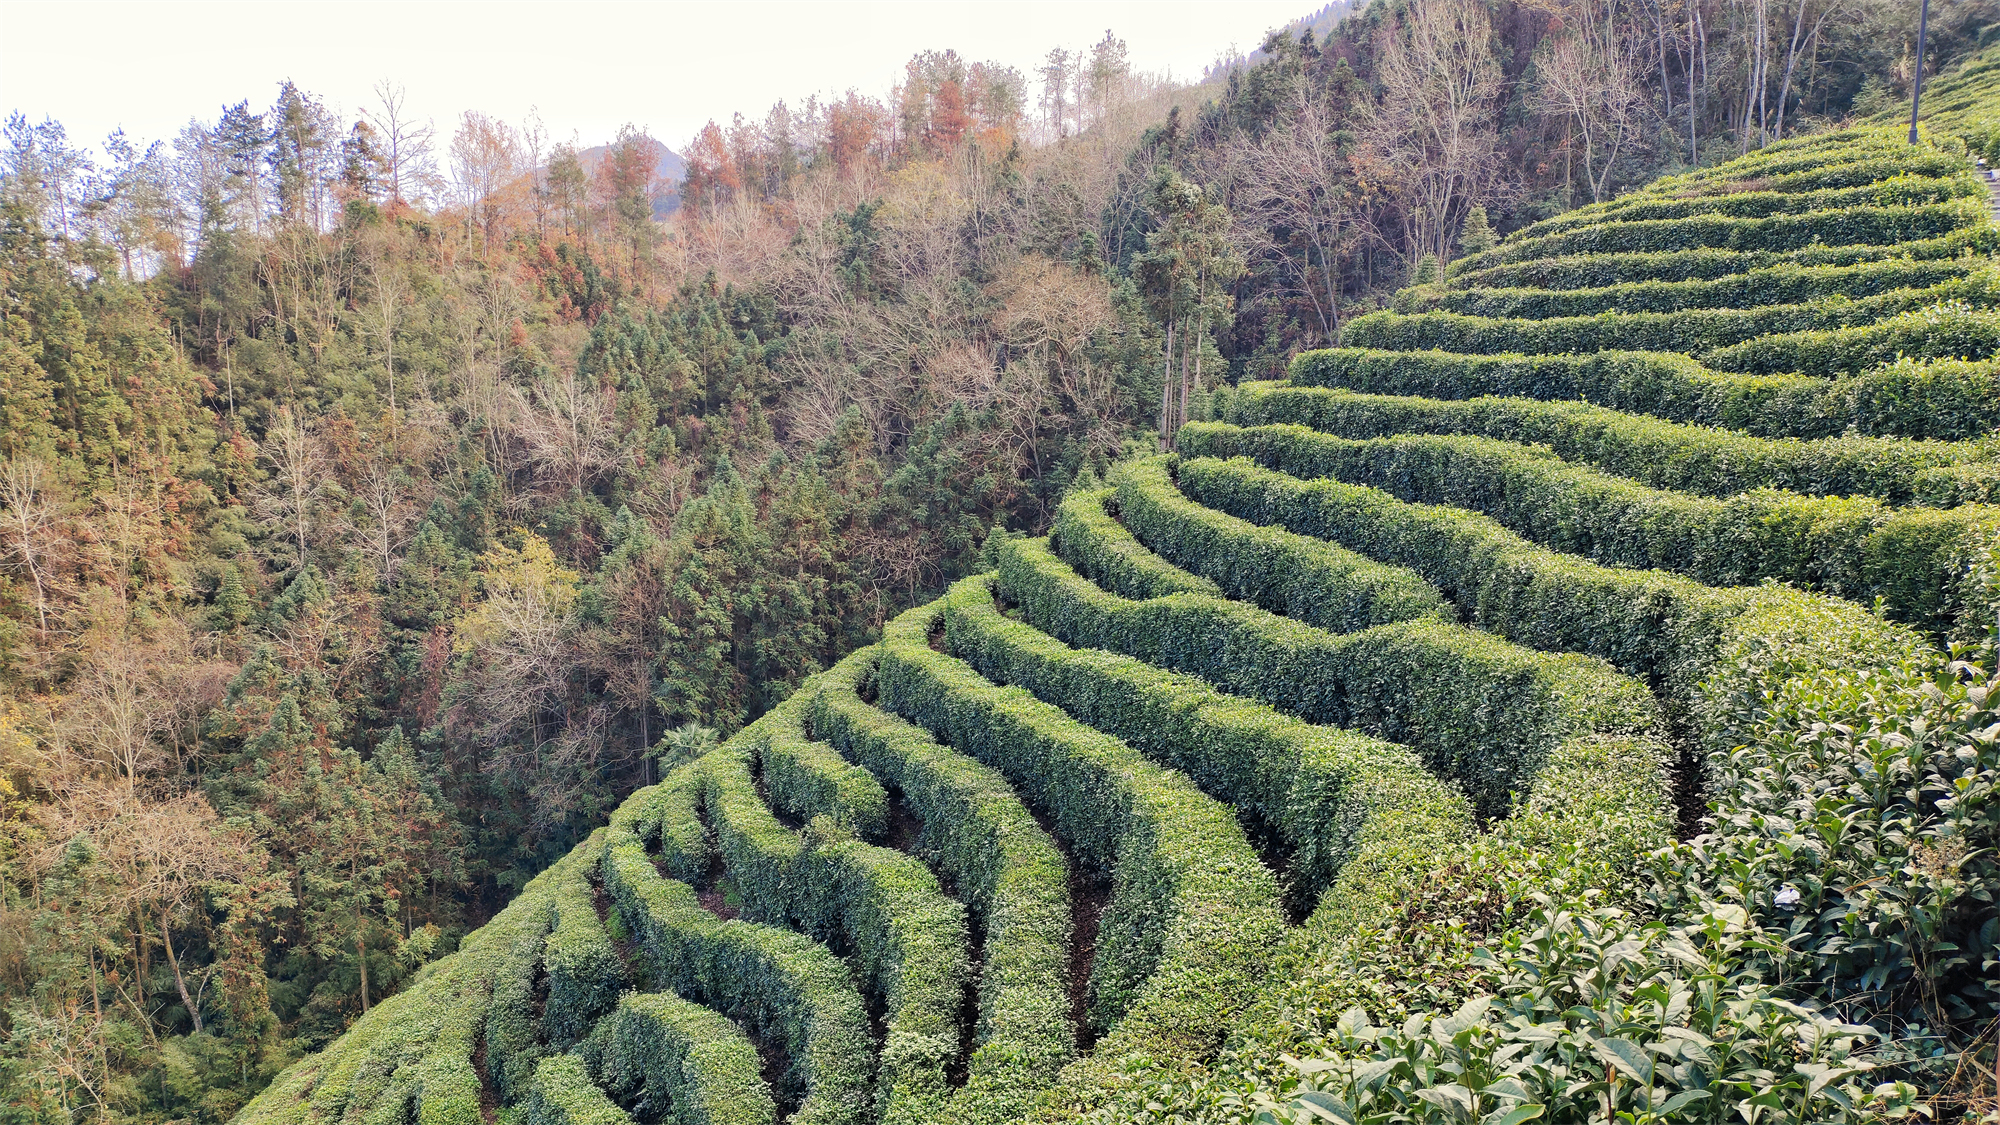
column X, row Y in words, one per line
column 1917, row 96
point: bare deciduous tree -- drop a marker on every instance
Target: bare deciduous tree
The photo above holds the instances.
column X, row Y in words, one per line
column 1297, row 179
column 1436, row 128
column 1588, row 81
column 485, row 162
column 32, row 529
column 301, row 478
column 568, row 426
column 390, row 288
column 406, row 144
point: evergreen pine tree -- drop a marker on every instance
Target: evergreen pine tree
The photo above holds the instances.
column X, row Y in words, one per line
column 232, row 602
column 1477, row 234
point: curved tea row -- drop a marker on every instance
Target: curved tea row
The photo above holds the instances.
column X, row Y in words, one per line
column 1074, row 819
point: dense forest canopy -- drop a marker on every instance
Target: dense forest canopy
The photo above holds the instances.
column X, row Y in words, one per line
column 382, row 503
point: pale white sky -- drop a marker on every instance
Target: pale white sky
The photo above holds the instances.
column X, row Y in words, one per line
column 588, row 67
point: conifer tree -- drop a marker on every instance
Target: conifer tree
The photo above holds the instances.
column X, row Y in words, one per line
column 1477, row 234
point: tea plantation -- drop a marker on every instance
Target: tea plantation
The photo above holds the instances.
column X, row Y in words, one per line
column 1567, row 700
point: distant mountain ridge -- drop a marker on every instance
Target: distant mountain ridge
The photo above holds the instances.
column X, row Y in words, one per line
column 1320, row 22
column 669, row 168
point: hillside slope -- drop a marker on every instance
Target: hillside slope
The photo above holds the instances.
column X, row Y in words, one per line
column 1430, row 637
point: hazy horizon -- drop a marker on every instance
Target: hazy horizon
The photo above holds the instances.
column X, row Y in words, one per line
column 586, row 68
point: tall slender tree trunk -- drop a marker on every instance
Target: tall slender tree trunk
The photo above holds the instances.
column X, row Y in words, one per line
column 1197, row 374
column 1189, row 341
column 361, row 956
column 1791, row 63
column 180, row 982
column 1167, row 390
column 1332, row 296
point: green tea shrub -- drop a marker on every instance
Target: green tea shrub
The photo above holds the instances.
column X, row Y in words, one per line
column 1090, row 536
column 1942, row 399
column 1692, row 331
column 1661, row 626
column 1912, row 558
column 563, row 1094
column 1320, row 794
column 1004, row 867
column 1856, row 816
column 1952, row 330
column 1901, row 188
column 806, row 779
column 1305, row 579
column 584, row 970
column 1844, row 227
column 683, row 1059
column 1966, row 246
column 1784, row 284
column 665, row 818
column 906, row 942
column 1591, row 1010
column 783, row 987
column 512, row 1049
column 1482, row 712
column 1193, row 916
column 1657, row 453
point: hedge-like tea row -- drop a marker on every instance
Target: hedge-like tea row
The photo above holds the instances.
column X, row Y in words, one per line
column 451, row 1009
column 1690, row 330
column 1883, row 183
column 437, row 1039
column 1004, row 867
column 783, row 987
column 1912, row 558
column 1879, row 226
column 416, row 1048
column 1118, row 561
column 1661, row 454
column 1595, row 271
column 666, row 818
column 760, row 854
column 1604, row 786
column 1845, row 159
column 1666, row 628
column 1961, row 105
column 1948, row 331
column 1482, row 712
column 1316, row 794
column 1900, row 187
column 563, row 1094
column 1950, row 486
column 806, row 779
column 1784, row 284
column 685, row 1060
column 584, row 970
column 1947, row 400
column 512, row 1041
column 906, row 941
column 1193, row 914
column 1304, row 579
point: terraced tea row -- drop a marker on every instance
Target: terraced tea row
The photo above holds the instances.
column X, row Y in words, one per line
column 1657, row 453
column 1414, row 609
column 1787, row 283
column 1943, row 400
column 1107, row 854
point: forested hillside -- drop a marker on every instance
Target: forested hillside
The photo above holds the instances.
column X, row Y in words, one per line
column 456, row 595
